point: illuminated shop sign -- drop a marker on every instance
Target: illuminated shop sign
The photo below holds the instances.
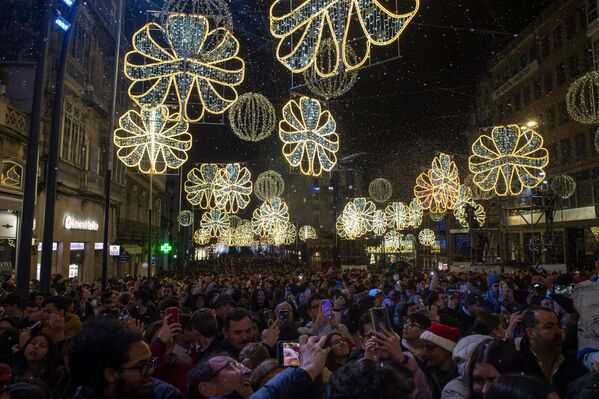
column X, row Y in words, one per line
column 70, row 223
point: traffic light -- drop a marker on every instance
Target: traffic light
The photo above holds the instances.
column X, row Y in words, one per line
column 166, row 248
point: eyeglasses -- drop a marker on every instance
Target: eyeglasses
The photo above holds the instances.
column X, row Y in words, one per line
column 338, row 342
column 145, row 369
column 410, row 325
column 236, row 366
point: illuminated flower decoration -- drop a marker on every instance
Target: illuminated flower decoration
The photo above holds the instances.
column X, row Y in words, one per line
column 359, row 214
column 349, row 228
column 185, row 218
column 563, row 186
column 380, row 189
column 269, row 215
column 465, row 194
column 301, row 30
column 392, row 239
column 252, row 117
column 509, row 160
column 437, row 217
column 406, row 246
column 282, row 234
column 396, row 215
column 201, row 236
column 217, row 11
column 445, row 179
column 461, row 213
column 195, row 65
column 307, row 233
column 200, row 186
column 215, row 221
column 234, row 221
column 269, row 184
column 152, row 140
column 227, row 237
column 233, row 188
column 426, row 237
column 379, row 223
column 11, row 174
column 595, row 231
column 308, row 135
column 414, row 213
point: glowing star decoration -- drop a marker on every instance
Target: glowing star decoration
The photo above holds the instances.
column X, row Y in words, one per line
column 201, row 236
column 252, row 117
column 426, row 237
column 269, row 184
column 582, row 100
column 308, row 136
column 152, row 140
column 301, row 30
column 380, row 189
column 200, row 186
column 396, row 215
column 414, row 213
column 509, row 160
column 233, row 188
column 379, row 223
column 215, row 221
column 269, row 215
column 307, row 233
column 195, row 65
column 563, row 186
column 185, row 218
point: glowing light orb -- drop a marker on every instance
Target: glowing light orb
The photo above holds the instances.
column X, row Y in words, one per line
column 563, row 186
column 252, row 117
column 307, row 233
column 582, row 100
column 426, row 237
column 509, row 160
column 308, row 136
column 215, row 221
column 185, row 218
column 380, row 189
column 269, row 184
column 200, row 186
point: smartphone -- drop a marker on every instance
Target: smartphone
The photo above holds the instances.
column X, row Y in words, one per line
column 172, row 315
column 36, row 327
column 327, row 309
column 268, row 316
column 283, row 315
column 563, row 289
column 288, row 353
column 380, row 318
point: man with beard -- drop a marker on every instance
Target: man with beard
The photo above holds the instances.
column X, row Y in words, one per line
column 204, row 322
column 111, row 361
column 541, row 350
column 237, row 330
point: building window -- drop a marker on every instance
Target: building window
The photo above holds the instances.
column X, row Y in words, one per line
column 526, row 95
column 534, row 51
column 560, row 74
column 574, row 66
column 581, row 146
column 570, row 27
column 557, row 37
column 566, row 151
column 550, row 118
column 545, row 47
column 563, row 113
column 81, row 42
column 536, row 89
column 548, row 82
column 553, row 154
column 74, row 146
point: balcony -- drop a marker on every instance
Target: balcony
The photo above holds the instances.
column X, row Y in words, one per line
column 13, row 118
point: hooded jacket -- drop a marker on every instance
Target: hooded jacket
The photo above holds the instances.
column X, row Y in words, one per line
column 458, row 387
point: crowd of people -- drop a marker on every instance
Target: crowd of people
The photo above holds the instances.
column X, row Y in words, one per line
column 268, row 328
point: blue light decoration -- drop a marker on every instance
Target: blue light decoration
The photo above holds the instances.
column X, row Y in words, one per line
column 62, row 23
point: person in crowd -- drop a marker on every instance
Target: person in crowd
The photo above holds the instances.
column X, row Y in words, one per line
column 518, row 386
column 11, row 304
column 112, row 361
column 38, row 357
column 458, row 387
column 222, row 304
column 30, row 389
column 205, row 324
column 439, row 341
column 253, row 354
column 339, row 351
column 59, row 324
column 144, row 310
column 237, row 330
column 473, row 306
column 494, row 298
column 322, row 324
column 489, row 324
column 265, row 372
column 415, row 325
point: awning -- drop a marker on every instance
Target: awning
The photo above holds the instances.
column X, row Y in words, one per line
column 132, row 249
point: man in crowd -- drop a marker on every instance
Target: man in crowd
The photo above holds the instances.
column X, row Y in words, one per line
column 204, row 323
column 144, row 310
column 439, row 341
column 322, row 323
column 415, row 326
column 237, row 330
column 472, row 308
column 222, row 304
column 59, row 324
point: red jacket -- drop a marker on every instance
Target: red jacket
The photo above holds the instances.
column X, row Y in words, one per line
column 168, row 369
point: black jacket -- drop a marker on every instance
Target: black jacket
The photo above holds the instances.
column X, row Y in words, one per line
column 160, row 390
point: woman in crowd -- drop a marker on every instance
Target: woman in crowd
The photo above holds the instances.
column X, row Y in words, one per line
column 339, row 351
column 37, row 358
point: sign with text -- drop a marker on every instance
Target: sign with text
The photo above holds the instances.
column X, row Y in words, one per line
column 71, row 223
column 516, row 79
column 115, row 250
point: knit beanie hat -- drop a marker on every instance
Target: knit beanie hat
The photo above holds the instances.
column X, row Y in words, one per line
column 441, row 335
column 492, row 279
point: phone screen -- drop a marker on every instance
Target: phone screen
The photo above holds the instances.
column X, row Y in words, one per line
column 291, row 354
column 172, row 315
column 327, row 309
column 283, row 315
column 380, row 318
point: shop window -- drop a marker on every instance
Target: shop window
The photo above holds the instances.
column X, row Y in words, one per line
column 11, row 174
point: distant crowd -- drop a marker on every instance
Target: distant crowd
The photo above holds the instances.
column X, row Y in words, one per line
column 264, row 328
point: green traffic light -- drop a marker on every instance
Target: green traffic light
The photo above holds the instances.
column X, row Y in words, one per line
column 166, row 248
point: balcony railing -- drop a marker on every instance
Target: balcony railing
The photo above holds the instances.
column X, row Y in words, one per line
column 13, row 118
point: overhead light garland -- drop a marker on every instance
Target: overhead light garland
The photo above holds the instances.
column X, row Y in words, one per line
column 426, row 237
column 233, row 188
column 270, row 215
column 269, row 184
column 308, row 136
column 152, row 140
column 380, row 190
column 359, row 216
column 252, row 117
column 301, row 30
column 461, row 215
column 215, row 221
column 563, row 186
column 437, row 189
column 185, row 218
column 200, row 186
column 200, row 67
column 307, row 233
column 414, row 213
column 201, row 236
column 509, row 160
column 582, row 99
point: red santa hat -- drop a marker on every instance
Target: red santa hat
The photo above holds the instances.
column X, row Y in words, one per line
column 441, row 335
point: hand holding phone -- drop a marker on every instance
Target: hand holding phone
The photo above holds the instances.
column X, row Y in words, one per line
column 327, row 309
column 379, row 318
column 172, row 315
column 288, row 354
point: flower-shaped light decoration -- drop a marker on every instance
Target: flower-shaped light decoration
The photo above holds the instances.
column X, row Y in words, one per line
column 392, row 239
column 446, row 182
column 233, row 188
column 406, row 246
column 308, row 135
column 379, row 223
column 465, row 195
column 349, row 228
column 303, row 28
column 200, row 186
column 282, row 234
column 269, row 184
column 563, row 186
column 152, row 140
column 380, row 189
column 509, row 160
column 414, row 213
column 461, row 213
column 396, row 214
column 270, row 215
column 227, row 237
column 215, row 221
column 185, row 218
column 244, row 234
column 359, row 215
column 252, row 117
column 185, row 61
column 436, row 217
column 426, row 237
column 201, row 236
column 307, row 233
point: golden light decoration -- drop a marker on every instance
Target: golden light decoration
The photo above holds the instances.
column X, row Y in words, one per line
column 380, row 189
column 359, row 214
column 509, row 160
column 185, row 218
column 269, row 184
column 215, row 221
column 426, row 237
column 379, row 223
column 307, row 233
column 582, row 99
column 563, row 186
column 200, row 186
column 326, row 60
column 414, row 213
column 195, row 65
column 349, row 228
column 201, row 236
column 233, row 188
column 410, row 237
column 437, row 190
column 227, row 237
column 406, row 246
column 595, row 231
column 282, row 234
column 217, row 11
column 301, row 30
column 308, row 136
column 461, row 215
column 252, row 117
column 11, row 174
column 269, row 215
column 234, row 221
column 392, row 239
column 436, row 247
column 152, row 140
column 396, row 214
column 437, row 217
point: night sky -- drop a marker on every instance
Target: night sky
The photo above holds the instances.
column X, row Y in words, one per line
column 402, row 111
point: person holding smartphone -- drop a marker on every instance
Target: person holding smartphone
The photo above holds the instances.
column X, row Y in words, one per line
column 323, row 320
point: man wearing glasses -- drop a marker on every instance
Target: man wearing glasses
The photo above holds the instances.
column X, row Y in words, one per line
column 112, row 361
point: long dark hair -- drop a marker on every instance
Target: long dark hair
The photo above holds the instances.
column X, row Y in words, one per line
column 500, row 353
column 519, row 386
column 47, row 365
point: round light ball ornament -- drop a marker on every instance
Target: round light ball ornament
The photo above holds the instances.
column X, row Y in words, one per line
column 185, row 218
column 252, row 117
column 563, row 186
column 582, row 100
column 269, row 184
column 380, row 189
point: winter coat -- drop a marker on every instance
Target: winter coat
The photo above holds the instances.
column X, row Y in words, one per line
column 458, row 387
column 586, row 301
column 160, row 390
